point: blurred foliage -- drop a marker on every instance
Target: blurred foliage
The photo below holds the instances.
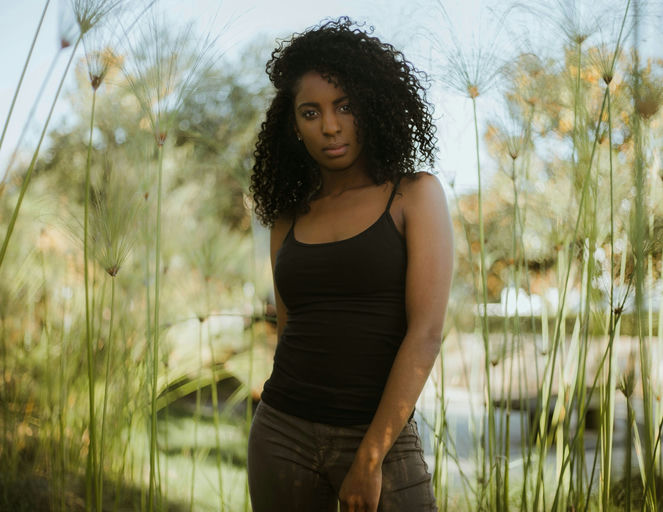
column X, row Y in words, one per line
column 207, row 260
column 546, row 176
column 215, row 129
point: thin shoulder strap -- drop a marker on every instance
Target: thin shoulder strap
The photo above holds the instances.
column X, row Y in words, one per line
column 393, row 193
column 292, row 226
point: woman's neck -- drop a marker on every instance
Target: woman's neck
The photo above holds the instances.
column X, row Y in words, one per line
column 336, row 182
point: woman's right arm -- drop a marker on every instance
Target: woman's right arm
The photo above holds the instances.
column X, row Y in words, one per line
column 276, row 237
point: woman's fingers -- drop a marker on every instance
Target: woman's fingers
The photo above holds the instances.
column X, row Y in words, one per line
column 358, row 504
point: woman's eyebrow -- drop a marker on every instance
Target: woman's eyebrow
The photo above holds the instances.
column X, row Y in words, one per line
column 315, row 104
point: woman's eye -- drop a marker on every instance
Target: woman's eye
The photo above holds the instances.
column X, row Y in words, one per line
column 308, row 114
column 345, row 108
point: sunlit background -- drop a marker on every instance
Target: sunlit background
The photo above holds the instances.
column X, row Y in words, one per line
column 547, row 394
column 242, row 24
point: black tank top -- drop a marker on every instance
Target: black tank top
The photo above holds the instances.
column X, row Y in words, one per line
column 346, row 320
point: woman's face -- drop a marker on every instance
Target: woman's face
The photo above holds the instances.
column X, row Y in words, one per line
column 326, row 125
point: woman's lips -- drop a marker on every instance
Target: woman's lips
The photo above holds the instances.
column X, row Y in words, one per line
column 336, row 150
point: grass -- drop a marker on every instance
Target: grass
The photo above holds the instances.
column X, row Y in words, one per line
column 28, row 489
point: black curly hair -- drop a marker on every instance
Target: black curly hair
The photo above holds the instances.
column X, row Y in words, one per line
column 389, row 104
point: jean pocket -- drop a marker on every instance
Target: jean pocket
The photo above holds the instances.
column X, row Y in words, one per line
column 414, row 429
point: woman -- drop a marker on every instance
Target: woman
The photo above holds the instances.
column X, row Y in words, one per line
column 361, row 248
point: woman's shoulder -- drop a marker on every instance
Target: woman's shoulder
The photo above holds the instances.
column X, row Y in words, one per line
column 425, row 209
column 421, row 188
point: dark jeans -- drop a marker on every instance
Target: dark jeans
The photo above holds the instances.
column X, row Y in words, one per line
column 297, row 465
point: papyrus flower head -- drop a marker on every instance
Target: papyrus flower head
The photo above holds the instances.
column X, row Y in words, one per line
column 67, row 26
column 574, row 20
column 163, row 68
column 471, row 62
column 89, row 13
column 509, row 133
column 101, row 39
column 112, row 223
column 626, row 383
column 98, row 64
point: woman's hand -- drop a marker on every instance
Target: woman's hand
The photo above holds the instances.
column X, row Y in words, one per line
column 360, row 490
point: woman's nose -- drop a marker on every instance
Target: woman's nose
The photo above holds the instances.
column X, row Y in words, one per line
column 330, row 124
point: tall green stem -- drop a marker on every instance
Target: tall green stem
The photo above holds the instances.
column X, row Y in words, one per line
column 61, row 406
column 196, row 415
column 576, row 101
column 215, row 400
column 155, row 344
column 148, row 308
column 638, row 236
column 484, row 315
column 28, row 175
column 48, row 379
column 578, row 456
column 582, row 350
column 515, row 335
column 5, row 391
column 630, row 419
column 472, row 416
column 92, row 453
column 439, row 487
column 25, row 67
column 103, row 414
column 441, row 474
column 24, row 130
column 610, row 388
column 249, row 384
column 558, row 324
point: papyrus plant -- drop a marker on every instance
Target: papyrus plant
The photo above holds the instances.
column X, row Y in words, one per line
column 471, row 73
column 163, row 69
column 112, row 233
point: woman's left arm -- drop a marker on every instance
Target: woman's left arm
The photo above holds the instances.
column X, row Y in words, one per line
column 429, row 239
